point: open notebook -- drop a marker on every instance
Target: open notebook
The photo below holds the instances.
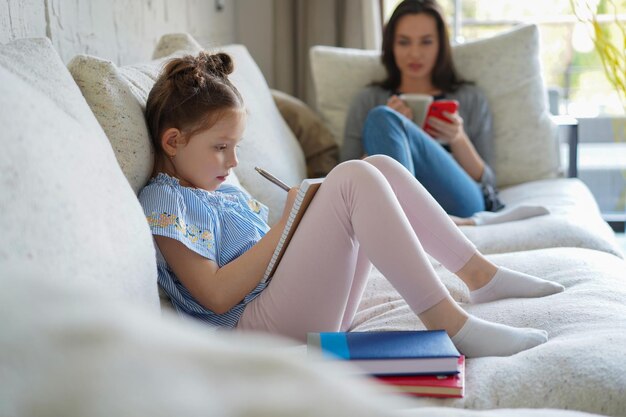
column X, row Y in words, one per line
column 305, row 195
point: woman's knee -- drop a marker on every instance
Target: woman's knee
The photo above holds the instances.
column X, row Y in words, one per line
column 380, row 116
column 384, row 122
column 383, row 132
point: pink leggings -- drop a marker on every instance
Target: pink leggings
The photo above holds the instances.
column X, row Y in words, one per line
column 370, row 211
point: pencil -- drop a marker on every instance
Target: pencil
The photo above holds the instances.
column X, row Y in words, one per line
column 272, row 178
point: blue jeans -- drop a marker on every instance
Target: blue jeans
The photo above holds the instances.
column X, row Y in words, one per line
column 389, row 133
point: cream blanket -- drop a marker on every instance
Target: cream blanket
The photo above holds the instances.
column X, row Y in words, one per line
column 582, row 366
column 71, row 350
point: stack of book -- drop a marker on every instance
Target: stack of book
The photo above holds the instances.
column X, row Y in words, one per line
column 420, row 362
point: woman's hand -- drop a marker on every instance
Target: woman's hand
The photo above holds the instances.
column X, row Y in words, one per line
column 454, row 135
column 449, row 132
column 400, row 106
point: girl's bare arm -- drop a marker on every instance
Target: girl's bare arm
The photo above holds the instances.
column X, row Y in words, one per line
column 220, row 289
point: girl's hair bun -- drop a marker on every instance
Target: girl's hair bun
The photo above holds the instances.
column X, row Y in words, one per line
column 219, row 64
column 196, row 71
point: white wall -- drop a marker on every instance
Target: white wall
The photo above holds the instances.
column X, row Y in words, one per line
column 123, row 31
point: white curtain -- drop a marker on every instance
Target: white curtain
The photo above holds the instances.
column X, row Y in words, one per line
column 295, row 26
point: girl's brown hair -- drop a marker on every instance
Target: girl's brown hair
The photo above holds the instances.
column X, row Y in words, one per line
column 190, row 94
column 444, row 75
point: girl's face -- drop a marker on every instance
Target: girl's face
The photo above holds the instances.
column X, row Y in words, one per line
column 208, row 157
column 416, row 45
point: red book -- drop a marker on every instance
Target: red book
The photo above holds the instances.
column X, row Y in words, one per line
column 430, row 385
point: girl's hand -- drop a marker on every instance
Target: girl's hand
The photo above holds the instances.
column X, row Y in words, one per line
column 291, row 197
column 400, row 106
column 449, row 132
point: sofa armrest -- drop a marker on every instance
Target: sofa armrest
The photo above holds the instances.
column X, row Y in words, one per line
column 569, row 126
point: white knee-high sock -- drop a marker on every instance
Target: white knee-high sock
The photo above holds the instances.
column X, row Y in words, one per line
column 479, row 338
column 507, row 283
column 508, row 215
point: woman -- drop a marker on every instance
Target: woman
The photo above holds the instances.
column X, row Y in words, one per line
column 452, row 159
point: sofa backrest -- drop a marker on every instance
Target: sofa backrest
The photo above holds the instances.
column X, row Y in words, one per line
column 506, row 67
column 67, row 209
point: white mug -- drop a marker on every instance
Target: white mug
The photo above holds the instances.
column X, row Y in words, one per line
column 419, row 106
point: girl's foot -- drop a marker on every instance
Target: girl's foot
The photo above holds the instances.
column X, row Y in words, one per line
column 507, row 283
column 478, row 338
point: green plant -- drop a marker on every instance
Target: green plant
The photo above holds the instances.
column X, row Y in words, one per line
column 612, row 50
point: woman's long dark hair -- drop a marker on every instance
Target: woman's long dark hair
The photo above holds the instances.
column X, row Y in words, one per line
column 444, row 75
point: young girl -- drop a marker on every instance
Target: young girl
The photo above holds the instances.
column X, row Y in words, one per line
column 214, row 243
column 417, row 57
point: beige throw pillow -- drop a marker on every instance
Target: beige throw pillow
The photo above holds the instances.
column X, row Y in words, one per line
column 117, row 96
column 506, row 67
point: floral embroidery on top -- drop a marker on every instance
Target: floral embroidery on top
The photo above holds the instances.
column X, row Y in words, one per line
column 191, row 232
column 254, row 205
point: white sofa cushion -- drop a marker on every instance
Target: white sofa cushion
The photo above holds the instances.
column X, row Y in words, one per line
column 117, row 96
column 574, row 220
column 506, row 67
column 65, row 203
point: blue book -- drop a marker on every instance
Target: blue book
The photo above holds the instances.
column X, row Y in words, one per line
column 417, row 352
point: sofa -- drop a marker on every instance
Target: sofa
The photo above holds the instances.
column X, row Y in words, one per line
column 86, row 331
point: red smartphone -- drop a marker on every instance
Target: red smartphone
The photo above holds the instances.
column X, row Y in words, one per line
column 437, row 108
